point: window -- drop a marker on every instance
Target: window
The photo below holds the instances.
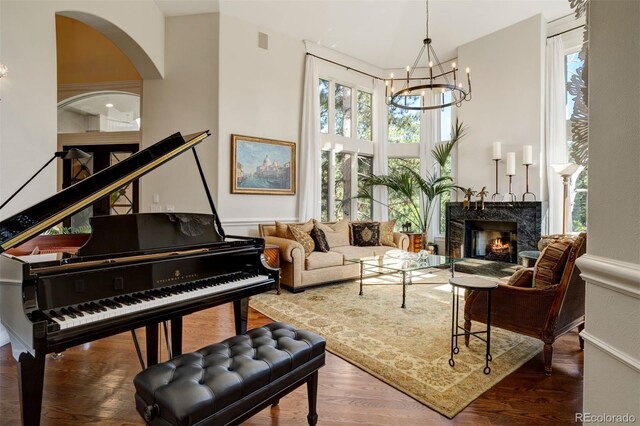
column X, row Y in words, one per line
column 346, row 132
column 365, row 168
column 398, row 207
column 445, row 135
column 324, row 106
column 341, row 178
column 343, row 110
column 404, row 125
column 364, row 115
column 343, row 186
column 577, row 150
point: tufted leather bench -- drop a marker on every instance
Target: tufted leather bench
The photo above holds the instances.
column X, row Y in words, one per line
column 228, row 382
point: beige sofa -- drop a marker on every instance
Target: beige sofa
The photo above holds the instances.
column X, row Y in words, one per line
column 300, row 271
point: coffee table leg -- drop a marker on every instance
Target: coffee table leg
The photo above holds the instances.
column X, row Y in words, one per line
column 404, row 288
column 361, row 267
column 487, row 369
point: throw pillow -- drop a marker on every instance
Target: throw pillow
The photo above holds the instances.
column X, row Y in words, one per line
column 522, row 278
column 337, row 234
column 386, row 233
column 320, row 240
column 282, row 229
column 303, row 237
column 366, row 234
column 549, row 267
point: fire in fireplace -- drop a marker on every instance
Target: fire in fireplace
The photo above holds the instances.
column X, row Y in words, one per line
column 492, row 240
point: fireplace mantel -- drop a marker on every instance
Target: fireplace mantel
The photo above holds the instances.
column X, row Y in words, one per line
column 527, row 215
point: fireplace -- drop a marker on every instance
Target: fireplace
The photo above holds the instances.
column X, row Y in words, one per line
column 491, row 240
column 497, row 233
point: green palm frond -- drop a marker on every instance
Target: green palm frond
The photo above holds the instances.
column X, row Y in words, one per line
column 442, row 151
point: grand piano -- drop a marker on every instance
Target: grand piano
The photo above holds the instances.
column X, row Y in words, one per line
column 133, row 271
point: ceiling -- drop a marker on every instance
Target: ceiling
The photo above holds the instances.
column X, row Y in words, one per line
column 385, row 33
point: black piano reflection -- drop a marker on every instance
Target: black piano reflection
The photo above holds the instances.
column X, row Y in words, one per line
column 133, row 271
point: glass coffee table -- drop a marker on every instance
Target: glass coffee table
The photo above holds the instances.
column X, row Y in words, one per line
column 404, row 263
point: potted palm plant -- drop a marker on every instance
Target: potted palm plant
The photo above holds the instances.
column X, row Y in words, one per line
column 408, row 183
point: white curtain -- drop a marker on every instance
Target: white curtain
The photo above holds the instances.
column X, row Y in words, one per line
column 555, row 132
column 428, row 139
column 309, row 194
column 380, row 160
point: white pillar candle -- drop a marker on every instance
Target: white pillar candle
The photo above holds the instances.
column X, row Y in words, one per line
column 527, row 154
column 497, row 151
column 511, row 163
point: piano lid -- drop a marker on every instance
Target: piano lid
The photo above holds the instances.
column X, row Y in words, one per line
column 41, row 216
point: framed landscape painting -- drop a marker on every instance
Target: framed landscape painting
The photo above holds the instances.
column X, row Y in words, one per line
column 262, row 166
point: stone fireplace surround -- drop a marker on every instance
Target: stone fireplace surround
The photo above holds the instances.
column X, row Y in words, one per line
column 527, row 215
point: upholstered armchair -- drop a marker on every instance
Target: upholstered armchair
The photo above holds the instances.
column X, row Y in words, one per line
column 542, row 310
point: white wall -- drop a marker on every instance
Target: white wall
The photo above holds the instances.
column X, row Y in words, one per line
column 611, row 267
column 186, row 100
column 28, row 128
column 260, row 95
column 4, row 337
column 507, row 78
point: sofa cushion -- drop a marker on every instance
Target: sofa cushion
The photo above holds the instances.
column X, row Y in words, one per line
column 337, row 234
column 521, row 278
column 282, row 229
column 386, row 233
column 317, row 260
column 320, row 240
column 353, row 252
column 549, row 267
column 303, row 237
column 365, row 234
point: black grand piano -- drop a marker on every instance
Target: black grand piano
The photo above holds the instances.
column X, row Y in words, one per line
column 136, row 270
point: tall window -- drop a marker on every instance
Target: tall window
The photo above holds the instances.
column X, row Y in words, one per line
column 445, row 135
column 346, row 131
column 577, row 150
column 398, row 207
column 404, row 125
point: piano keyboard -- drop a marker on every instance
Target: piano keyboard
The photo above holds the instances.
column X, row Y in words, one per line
column 86, row 313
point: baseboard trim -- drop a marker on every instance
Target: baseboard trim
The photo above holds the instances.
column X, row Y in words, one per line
column 622, row 277
column 622, row 357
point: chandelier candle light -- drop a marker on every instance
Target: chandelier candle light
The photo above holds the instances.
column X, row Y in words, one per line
column 527, row 160
column 429, row 85
column 497, row 156
column 511, row 172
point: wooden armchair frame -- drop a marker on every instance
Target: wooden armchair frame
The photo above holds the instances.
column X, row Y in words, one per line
column 545, row 314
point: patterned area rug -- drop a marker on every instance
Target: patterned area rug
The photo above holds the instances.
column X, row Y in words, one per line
column 406, row 348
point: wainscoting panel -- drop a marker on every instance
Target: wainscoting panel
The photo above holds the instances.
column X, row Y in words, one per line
column 612, row 339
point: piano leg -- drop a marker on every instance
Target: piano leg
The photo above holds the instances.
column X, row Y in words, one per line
column 176, row 336
column 30, row 382
column 241, row 315
column 152, row 344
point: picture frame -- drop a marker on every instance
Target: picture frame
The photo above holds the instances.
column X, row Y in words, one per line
column 262, row 166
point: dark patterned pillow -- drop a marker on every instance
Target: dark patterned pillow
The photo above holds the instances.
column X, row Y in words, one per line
column 320, row 240
column 365, row 234
column 549, row 266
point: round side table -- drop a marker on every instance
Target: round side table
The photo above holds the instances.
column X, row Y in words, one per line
column 478, row 284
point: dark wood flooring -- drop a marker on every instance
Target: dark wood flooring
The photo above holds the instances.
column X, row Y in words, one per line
column 92, row 384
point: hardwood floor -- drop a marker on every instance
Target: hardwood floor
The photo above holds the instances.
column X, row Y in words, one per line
column 92, row 384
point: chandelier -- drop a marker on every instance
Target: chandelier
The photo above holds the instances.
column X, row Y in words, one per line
column 435, row 84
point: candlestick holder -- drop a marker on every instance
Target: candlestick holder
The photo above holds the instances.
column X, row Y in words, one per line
column 511, row 195
column 527, row 184
column 496, row 196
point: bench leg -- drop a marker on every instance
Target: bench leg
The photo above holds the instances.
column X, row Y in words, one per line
column 312, row 394
column 275, row 403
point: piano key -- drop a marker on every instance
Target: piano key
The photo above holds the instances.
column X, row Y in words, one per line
column 124, row 304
